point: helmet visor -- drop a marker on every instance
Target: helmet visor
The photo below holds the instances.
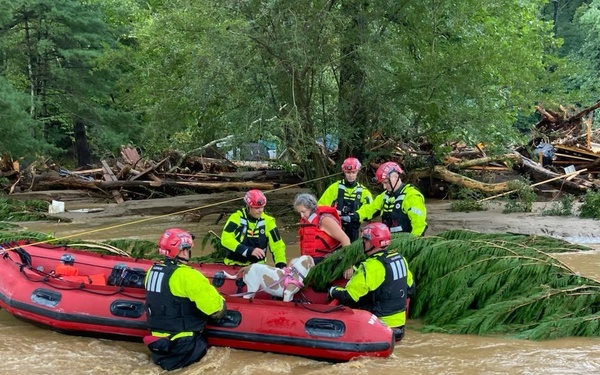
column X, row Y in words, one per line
column 185, row 246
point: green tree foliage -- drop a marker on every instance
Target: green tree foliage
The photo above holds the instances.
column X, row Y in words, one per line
column 564, row 17
column 19, row 131
column 497, row 283
column 591, row 205
column 180, row 75
column 52, row 48
column 587, row 56
column 17, row 210
column 462, row 70
column 296, row 71
column 501, row 283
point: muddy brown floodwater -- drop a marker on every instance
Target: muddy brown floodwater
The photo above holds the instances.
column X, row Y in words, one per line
column 28, row 349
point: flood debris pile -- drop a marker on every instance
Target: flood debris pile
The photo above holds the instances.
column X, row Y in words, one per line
column 131, row 176
column 562, row 153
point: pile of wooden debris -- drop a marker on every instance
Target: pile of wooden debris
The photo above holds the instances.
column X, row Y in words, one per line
column 133, row 177
column 563, row 154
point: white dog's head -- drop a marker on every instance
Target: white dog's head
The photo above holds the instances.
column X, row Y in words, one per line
column 302, row 265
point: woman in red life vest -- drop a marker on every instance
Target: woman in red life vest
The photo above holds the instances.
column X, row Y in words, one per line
column 320, row 230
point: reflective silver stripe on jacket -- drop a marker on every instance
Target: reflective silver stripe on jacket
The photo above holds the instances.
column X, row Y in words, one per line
column 155, row 281
column 396, row 229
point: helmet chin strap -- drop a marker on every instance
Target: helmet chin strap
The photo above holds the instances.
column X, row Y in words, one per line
column 368, row 250
column 396, row 183
column 182, row 259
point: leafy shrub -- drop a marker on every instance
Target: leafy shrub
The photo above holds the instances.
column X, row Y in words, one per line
column 564, row 207
column 467, row 201
column 521, row 200
column 591, row 205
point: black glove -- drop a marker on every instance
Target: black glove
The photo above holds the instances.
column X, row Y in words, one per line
column 350, row 218
column 330, row 292
column 280, row 265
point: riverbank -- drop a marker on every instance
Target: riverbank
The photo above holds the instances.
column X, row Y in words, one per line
column 146, row 219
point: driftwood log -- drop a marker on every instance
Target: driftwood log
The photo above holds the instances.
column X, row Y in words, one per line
column 201, row 187
column 442, row 173
column 523, row 164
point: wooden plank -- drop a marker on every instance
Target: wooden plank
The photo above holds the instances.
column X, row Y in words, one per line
column 567, row 162
column 148, row 170
column 578, row 150
column 573, row 157
column 588, row 137
column 110, row 176
column 88, row 171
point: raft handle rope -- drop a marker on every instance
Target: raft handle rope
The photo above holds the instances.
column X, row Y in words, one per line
column 46, row 277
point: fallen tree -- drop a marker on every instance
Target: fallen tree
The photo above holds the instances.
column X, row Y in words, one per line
column 571, row 183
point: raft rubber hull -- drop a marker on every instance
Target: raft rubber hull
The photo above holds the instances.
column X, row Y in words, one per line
column 310, row 326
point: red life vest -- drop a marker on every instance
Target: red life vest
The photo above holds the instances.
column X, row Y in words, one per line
column 314, row 241
column 66, row 270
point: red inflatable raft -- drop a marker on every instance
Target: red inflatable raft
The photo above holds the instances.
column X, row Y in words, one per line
column 106, row 299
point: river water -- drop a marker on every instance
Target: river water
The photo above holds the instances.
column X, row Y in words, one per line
column 28, row 349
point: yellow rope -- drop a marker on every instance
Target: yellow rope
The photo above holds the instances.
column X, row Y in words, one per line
column 167, row 215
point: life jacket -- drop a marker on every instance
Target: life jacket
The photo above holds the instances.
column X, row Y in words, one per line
column 251, row 238
column 390, row 297
column 314, row 241
column 392, row 214
column 166, row 312
column 66, row 270
column 96, row 279
column 348, row 202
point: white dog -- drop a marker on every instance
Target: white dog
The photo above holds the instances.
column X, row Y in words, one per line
column 277, row 282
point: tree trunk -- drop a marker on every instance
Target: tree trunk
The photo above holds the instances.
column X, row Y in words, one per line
column 82, row 149
column 536, row 171
column 444, row 174
column 201, row 187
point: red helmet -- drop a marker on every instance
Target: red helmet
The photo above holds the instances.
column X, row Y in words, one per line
column 378, row 234
column 173, row 241
column 385, row 169
column 255, row 198
column 351, row 164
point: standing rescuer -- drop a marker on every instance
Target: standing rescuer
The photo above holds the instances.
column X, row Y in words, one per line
column 402, row 206
column 179, row 302
column 249, row 231
column 381, row 283
column 347, row 196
